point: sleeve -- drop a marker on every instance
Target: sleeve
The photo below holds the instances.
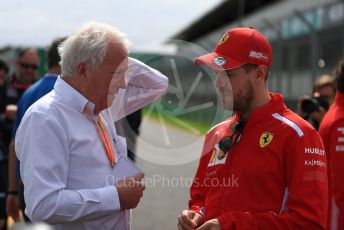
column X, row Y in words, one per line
column 336, row 169
column 144, row 85
column 306, row 200
column 199, row 190
column 42, row 148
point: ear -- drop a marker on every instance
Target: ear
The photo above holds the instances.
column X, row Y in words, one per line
column 261, row 72
column 81, row 71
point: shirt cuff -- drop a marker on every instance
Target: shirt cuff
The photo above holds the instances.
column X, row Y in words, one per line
column 199, row 210
column 109, row 198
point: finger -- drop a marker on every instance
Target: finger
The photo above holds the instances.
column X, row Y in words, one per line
column 179, row 219
column 179, row 227
column 205, row 226
column 197, row 219
column 190, row 214
column 185, row 220
column 184, row 226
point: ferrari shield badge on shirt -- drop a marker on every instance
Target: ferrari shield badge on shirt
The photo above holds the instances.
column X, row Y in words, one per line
column 265, row 139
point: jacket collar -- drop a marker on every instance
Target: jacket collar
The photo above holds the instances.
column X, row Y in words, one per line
column 264, row 112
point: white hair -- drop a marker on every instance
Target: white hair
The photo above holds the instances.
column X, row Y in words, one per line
column 89, row 44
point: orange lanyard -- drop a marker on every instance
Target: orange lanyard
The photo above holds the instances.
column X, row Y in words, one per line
column 104, row 137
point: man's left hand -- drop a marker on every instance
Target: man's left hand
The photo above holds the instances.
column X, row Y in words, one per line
column 212, row 224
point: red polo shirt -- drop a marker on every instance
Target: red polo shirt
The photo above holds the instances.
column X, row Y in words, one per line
column 332, row 132
column 275, row 177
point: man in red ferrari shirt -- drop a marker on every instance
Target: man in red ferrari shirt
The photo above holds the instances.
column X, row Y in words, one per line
column 332, row 132
column 265, row 167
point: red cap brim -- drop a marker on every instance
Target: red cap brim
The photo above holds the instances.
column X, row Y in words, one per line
column 218, row 61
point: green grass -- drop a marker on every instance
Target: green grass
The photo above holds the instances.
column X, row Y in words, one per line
column 202, row 127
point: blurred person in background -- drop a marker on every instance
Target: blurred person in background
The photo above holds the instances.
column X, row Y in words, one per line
column 264, row 167
column 32, row 94
column 14, row 86
column 332, row 132
column 26, row 72
column 3, row 73
column 313, row 108
column 324, row 87
column 3, row 150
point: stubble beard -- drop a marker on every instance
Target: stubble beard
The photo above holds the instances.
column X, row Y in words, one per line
column 243, row 99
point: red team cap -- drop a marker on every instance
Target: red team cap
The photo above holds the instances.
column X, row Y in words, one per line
column 237, row 47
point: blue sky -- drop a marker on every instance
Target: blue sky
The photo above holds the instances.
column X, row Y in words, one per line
column 147, row 22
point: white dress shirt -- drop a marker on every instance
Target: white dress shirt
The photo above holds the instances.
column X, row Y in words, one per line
column 66, row 173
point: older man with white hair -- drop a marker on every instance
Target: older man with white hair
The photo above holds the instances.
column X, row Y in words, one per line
column 67, row 143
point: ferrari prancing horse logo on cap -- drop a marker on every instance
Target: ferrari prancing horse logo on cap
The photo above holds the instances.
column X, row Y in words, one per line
column 265, row 139
column 223, row 39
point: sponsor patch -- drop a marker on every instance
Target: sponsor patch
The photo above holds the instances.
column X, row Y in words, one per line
column 265, row 139
column 258, row 55
column 315, row 151
column 339, row 148
column 315, row 163
column 217, row 156
column 340, row 130
column 220, row 61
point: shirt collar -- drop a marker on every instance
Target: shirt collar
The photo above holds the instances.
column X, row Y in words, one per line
column 264, row 112
column 72, row 96
column 50, row 75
